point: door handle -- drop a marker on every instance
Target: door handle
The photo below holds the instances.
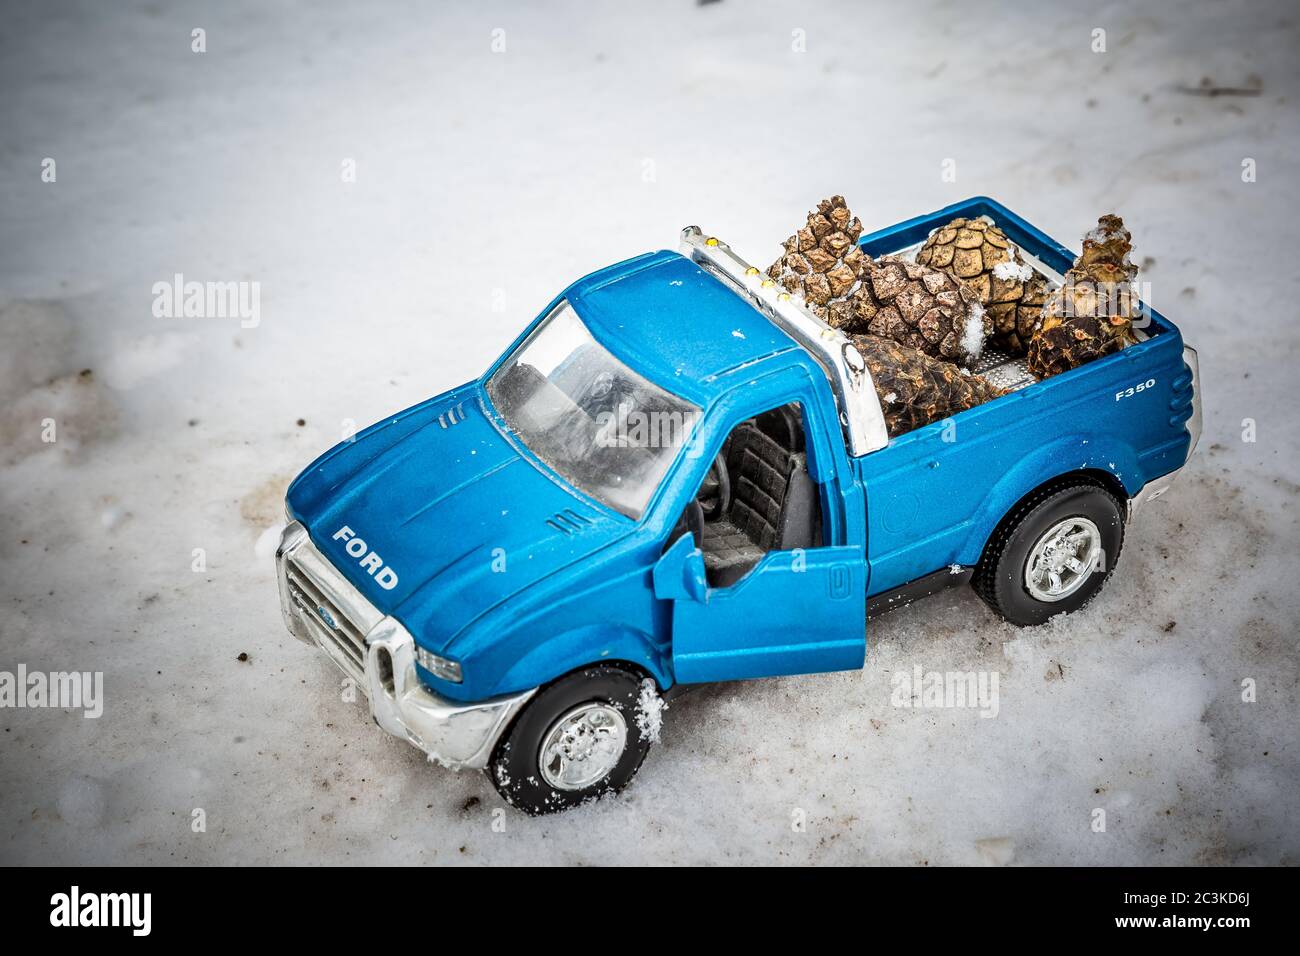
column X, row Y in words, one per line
column 839, row 582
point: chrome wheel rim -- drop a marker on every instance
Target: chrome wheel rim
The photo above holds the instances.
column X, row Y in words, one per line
column 583, row 746
column 1062, row 559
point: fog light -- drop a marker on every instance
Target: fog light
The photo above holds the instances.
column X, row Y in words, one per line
column 439, row 666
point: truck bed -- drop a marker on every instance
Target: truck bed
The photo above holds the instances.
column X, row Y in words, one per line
column 935, row 495
column 1003, row 370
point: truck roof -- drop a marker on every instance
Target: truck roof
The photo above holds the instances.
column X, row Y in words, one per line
column 675, row 322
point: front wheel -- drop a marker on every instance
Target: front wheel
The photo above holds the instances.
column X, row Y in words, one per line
column 1053, row 555
column 583, row 736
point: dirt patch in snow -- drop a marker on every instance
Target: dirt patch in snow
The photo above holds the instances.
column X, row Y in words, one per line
column 264, row 505
column 47, row 401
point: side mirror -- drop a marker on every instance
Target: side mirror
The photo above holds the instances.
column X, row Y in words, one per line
column 679, row 574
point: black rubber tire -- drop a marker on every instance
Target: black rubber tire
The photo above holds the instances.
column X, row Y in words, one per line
column 514, row 766
column 999, row 578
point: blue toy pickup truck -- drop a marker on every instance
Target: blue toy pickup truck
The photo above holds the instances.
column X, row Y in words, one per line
column 677, row 474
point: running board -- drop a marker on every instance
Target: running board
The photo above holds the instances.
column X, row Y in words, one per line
column 905, row 594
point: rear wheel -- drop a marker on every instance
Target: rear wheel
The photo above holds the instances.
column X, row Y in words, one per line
column 1052, row 555
column 576, row 740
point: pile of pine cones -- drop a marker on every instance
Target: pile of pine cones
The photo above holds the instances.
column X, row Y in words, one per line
column 920, row 325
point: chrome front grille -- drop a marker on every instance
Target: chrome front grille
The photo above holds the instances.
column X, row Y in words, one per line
column 335, row 615
column 327, row 620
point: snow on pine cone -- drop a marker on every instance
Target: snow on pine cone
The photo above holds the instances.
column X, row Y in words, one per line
column 980, row 255
column 916, row 389
column 912, row 304
column 1091, row 314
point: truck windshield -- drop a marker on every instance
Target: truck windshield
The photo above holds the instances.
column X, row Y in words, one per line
column 598, row 424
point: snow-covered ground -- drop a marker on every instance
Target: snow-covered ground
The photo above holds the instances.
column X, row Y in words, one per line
column 484, row 182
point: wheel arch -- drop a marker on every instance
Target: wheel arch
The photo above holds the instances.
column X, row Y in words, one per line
column 1108, row 462
column 588, row 646
column 1096, row 477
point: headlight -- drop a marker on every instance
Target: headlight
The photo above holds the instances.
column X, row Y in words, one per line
column 439, row 666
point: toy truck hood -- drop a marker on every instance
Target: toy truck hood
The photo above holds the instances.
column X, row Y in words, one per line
column 459, row 515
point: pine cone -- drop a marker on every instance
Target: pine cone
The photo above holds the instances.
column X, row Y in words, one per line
column 912, row 304
column 1091, row 315
column 822, row 261
column 981, row 256
column 916, row 389
column 922, row 308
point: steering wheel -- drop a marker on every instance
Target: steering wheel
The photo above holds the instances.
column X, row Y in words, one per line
column 715, row 493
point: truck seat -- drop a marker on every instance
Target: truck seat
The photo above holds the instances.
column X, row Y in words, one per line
column 774, row 502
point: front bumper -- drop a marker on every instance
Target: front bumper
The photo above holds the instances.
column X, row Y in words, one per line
column 322, row 608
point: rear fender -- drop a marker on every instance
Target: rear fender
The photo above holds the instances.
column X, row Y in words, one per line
column 1063, row 456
